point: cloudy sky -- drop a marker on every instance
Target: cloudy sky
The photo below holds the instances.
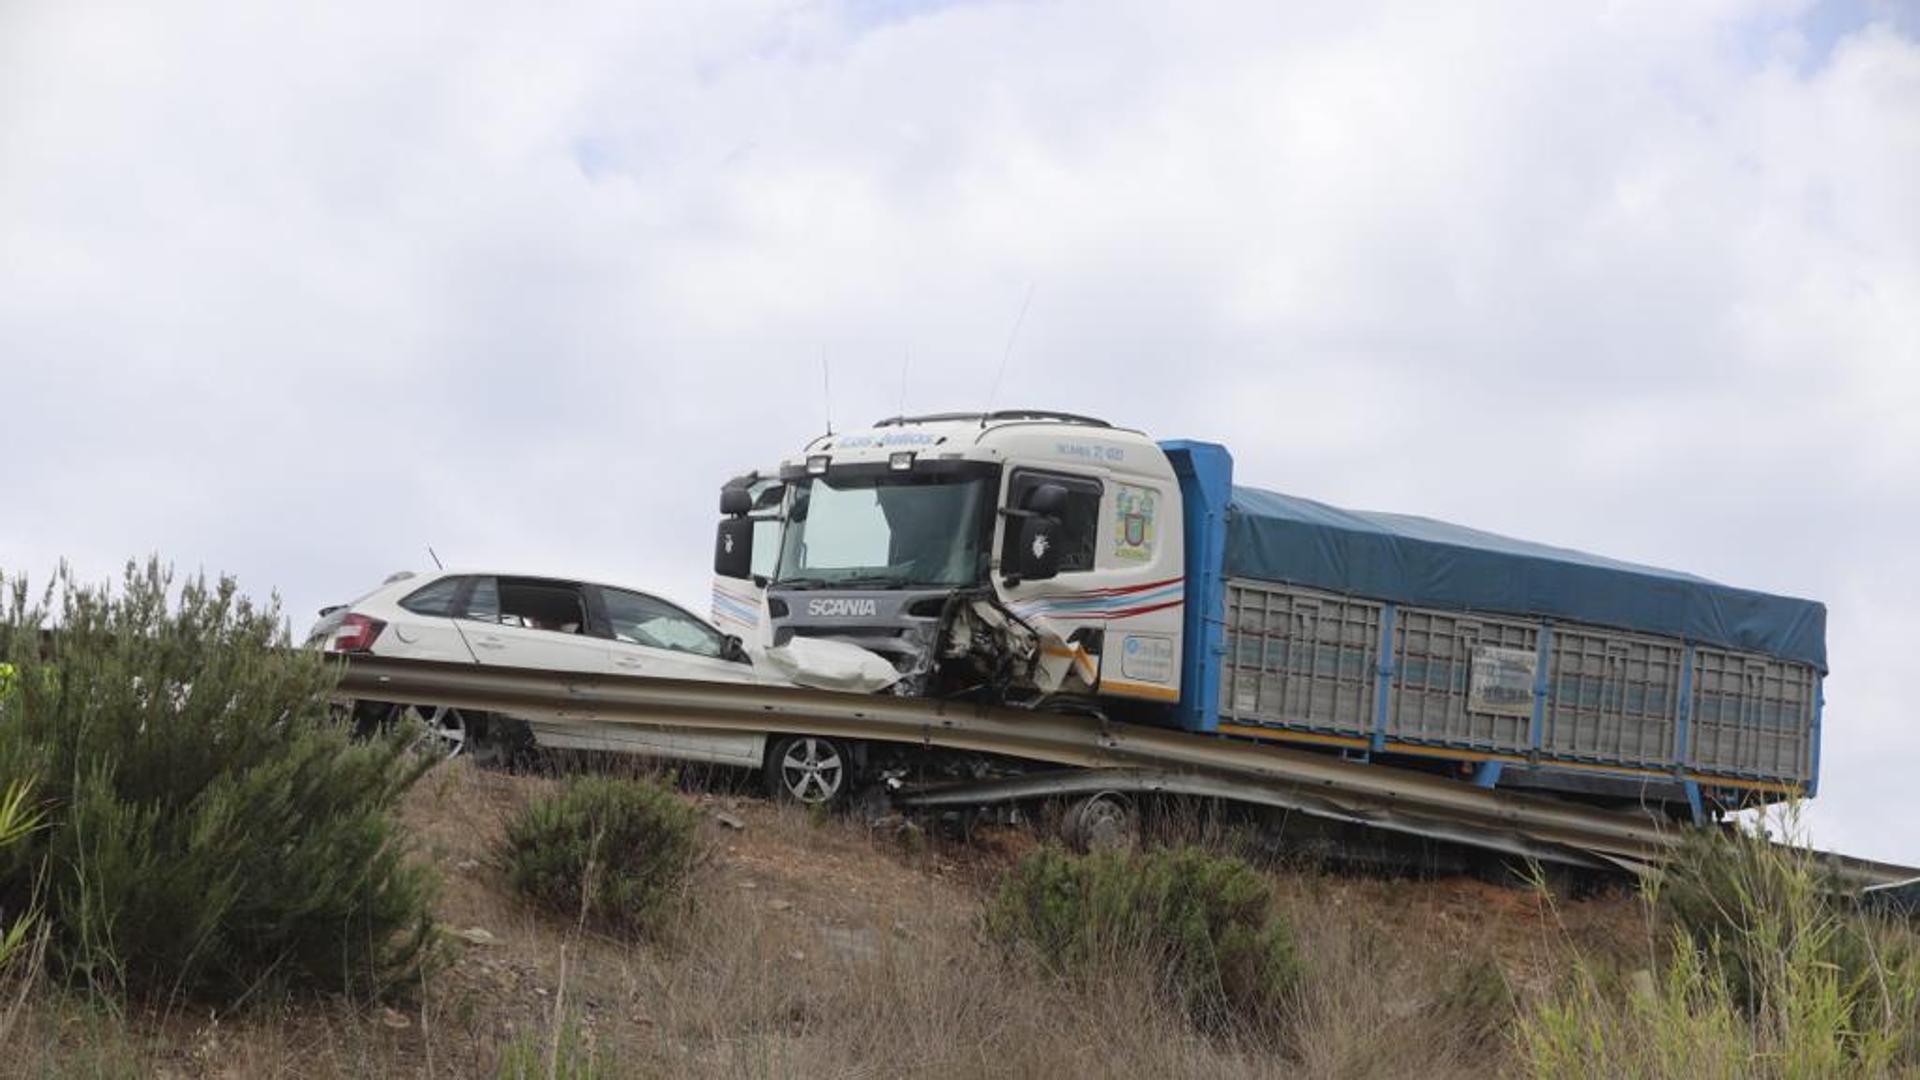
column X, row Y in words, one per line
column 295, row 291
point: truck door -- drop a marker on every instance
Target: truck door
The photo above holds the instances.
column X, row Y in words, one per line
column 1109, row 613
column 1067, row 615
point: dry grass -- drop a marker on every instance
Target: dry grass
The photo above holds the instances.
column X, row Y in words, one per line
column 823, row 948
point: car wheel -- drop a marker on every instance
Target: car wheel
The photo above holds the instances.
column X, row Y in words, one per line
column 809, row 769
column 443, row 731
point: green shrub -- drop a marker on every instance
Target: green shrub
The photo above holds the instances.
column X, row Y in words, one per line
column 1205, row 923
column 1766, row 974
column 1748, row 902
column 209, row 828
column 609, row 848
column 18, row 820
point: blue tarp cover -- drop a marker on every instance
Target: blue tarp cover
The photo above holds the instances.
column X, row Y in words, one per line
column 1427, row 563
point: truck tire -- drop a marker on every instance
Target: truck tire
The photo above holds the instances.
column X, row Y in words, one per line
column 1103, row 822
column 809, row 769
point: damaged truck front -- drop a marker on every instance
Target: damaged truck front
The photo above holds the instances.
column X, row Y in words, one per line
column 938, row 543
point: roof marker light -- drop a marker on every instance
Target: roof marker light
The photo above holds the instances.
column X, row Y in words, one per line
column 817, row 465
column 900, row 460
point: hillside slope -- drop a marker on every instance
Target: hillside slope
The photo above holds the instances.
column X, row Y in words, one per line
column 822, row 947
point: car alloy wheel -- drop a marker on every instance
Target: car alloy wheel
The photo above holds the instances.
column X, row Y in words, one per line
column 809, row 769
column 443, row 731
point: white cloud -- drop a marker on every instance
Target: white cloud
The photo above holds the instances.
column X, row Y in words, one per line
column 296, row 292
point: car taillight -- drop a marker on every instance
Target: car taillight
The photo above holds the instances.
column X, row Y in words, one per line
column 355, row 634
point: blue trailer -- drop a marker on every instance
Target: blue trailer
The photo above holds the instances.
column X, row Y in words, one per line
column 1400, row 638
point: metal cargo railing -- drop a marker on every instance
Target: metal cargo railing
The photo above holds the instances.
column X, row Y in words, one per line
column 1432, row 685
column 1752, row 715
column 1375, row 675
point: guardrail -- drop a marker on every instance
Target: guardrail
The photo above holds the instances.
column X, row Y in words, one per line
column 1373, row 795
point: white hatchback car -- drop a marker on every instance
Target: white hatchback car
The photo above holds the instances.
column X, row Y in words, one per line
column 543, row 622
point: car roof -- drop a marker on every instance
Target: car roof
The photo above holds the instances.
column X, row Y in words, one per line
column 408, row 580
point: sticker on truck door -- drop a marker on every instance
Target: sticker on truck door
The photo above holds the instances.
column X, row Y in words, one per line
column 1502, row 681
column 1147, row 658
column 1133, row 523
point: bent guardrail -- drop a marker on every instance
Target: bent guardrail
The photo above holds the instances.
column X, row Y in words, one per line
column 1368, row 794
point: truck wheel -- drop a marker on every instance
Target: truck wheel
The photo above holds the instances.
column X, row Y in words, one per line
column 1103, row 822
column 809, row 769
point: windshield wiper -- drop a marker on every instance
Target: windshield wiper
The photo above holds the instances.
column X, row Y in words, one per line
column 895, row 581
column 885, row 581
column 863, row 581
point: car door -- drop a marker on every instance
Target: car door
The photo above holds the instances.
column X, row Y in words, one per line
column 531, row 623
column 649, row 636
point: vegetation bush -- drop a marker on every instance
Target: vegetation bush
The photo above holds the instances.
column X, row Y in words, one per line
column 18, row 820
column 1747, row 902
column 1766, row 973
column 609, row 848
column 208, row 829
column 1206, row 923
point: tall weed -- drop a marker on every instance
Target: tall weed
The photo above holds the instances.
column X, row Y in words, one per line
column 1765, row 973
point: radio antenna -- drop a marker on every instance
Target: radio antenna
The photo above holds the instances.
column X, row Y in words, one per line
column 434, row 557
column 1012, row 336
column 906, row 364
column 826, row 386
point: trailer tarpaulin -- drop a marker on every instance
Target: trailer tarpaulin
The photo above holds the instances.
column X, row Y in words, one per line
column 1427, row 563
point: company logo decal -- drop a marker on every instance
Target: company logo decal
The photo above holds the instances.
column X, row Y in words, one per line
column 1134, row 511
column 842, row 608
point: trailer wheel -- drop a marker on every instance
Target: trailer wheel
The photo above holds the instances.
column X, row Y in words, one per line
column 1103, row 822
column 809, row 769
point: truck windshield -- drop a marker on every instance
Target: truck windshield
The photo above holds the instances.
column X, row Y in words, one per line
column 887, row 530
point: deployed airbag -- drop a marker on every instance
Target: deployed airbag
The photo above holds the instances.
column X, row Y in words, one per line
column 832, row 665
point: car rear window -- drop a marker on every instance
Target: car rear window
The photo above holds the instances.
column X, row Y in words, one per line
column 434, row 599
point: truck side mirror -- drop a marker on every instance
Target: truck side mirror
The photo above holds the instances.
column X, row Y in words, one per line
column 735, row 650
column 1039, row 542
column 733, row 548
column 1047, row 500
column 1036, row 540
column 735, row 501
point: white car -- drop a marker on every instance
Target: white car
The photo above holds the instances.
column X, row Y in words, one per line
column 542, row 622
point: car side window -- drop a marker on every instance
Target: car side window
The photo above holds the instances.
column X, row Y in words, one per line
column 643, row 620
column 1079, row 534
column 433, row 599
column 483, row 602
column 541, row 605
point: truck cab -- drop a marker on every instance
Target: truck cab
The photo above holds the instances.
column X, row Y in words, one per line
column 1017, row 557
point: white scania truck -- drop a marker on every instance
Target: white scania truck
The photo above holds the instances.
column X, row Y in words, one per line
column 1054, row 561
